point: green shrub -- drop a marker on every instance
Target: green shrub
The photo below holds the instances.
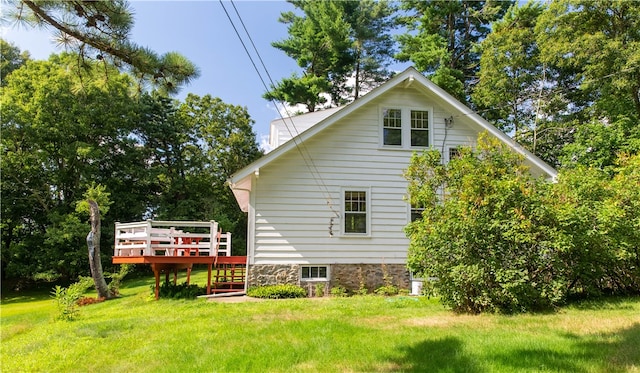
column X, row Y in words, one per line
column 319, row 290
column 67, row 298
column 277, row 291
column 339, row 291
column 116, row 278
column 180, row 291
column 493, row 242
column 387, row 290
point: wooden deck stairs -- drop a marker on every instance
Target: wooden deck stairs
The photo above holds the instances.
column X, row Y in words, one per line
column 229, row 274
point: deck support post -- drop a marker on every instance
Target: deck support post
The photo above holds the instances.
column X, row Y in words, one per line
column 156, row 273
column 209, row 266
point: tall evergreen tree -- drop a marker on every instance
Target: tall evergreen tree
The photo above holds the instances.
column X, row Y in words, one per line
column 333, row 42
column 442, row 38
column 595, row 47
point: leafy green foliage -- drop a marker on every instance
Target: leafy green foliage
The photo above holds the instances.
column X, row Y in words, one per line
column 11, row 58
column 61, row 136
column 339, row 291
column 67, row 298
column 388, row 289
column 482, row 232
column 499, row 240
column 179, row 291
column 277, row 291
column 116, row 278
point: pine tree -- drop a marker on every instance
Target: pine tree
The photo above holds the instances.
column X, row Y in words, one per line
column 99, row 30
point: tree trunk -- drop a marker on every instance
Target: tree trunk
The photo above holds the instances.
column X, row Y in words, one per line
column 93, row 244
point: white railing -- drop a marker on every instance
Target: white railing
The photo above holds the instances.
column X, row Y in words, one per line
column 171, row 238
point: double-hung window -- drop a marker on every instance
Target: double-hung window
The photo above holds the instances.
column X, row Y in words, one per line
column 405, row 128
column 356, row 212
column 392, row 127
column 419, row 128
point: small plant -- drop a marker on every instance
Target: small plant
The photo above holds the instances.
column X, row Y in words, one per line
column 319, row 290
column 116, row 279
column 388, row 288
column 277, row 291
column 362, row 288
column 339, row 291
column 67, row 298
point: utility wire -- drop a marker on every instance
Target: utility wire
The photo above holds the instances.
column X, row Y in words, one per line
column 299, row 143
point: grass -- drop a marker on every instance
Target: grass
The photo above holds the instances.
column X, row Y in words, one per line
column 360, row 334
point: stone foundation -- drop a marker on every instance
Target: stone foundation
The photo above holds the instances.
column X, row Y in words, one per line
column 348, row 275
column 273, row 274
column 371, row 275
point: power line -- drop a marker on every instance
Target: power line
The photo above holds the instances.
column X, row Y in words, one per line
column 298, row 143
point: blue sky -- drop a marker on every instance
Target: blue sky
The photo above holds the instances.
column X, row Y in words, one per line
column 201, row 31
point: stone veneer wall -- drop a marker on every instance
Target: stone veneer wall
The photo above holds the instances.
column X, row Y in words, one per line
column 350, row 275
column 347, row 275
column 273, row 274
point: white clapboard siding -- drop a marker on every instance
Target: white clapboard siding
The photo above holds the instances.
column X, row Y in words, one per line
column 294, row 201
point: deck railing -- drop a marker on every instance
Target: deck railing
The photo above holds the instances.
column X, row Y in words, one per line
column 171, row 238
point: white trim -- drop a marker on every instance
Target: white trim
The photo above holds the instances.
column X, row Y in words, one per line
column 251, row 224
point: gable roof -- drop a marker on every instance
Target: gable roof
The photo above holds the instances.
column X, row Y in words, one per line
column 240, row 182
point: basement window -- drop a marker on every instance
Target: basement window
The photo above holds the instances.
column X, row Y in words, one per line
column 314, row 273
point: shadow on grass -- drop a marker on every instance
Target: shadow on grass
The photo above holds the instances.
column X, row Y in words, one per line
column 615, row 351
column 35, row 293
column 441, row 355
column 604, row 303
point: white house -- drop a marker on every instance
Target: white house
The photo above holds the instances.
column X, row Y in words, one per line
column 328, row 203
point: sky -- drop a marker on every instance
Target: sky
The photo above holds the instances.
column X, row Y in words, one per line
column 201, row 31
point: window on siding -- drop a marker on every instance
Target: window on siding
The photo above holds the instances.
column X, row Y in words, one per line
column 314, row 273
column 416, row 212
column 454, row 153
column 419, row 128
column 392, row 127
column 355, row 211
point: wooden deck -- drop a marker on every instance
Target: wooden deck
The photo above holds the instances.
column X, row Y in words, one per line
column 171, row 246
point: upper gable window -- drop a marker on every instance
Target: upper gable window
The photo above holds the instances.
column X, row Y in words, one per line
column 405, row 128
column 419, row 128
column 392, row 127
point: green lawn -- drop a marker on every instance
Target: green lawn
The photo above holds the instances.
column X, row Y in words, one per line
column 360, row 334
